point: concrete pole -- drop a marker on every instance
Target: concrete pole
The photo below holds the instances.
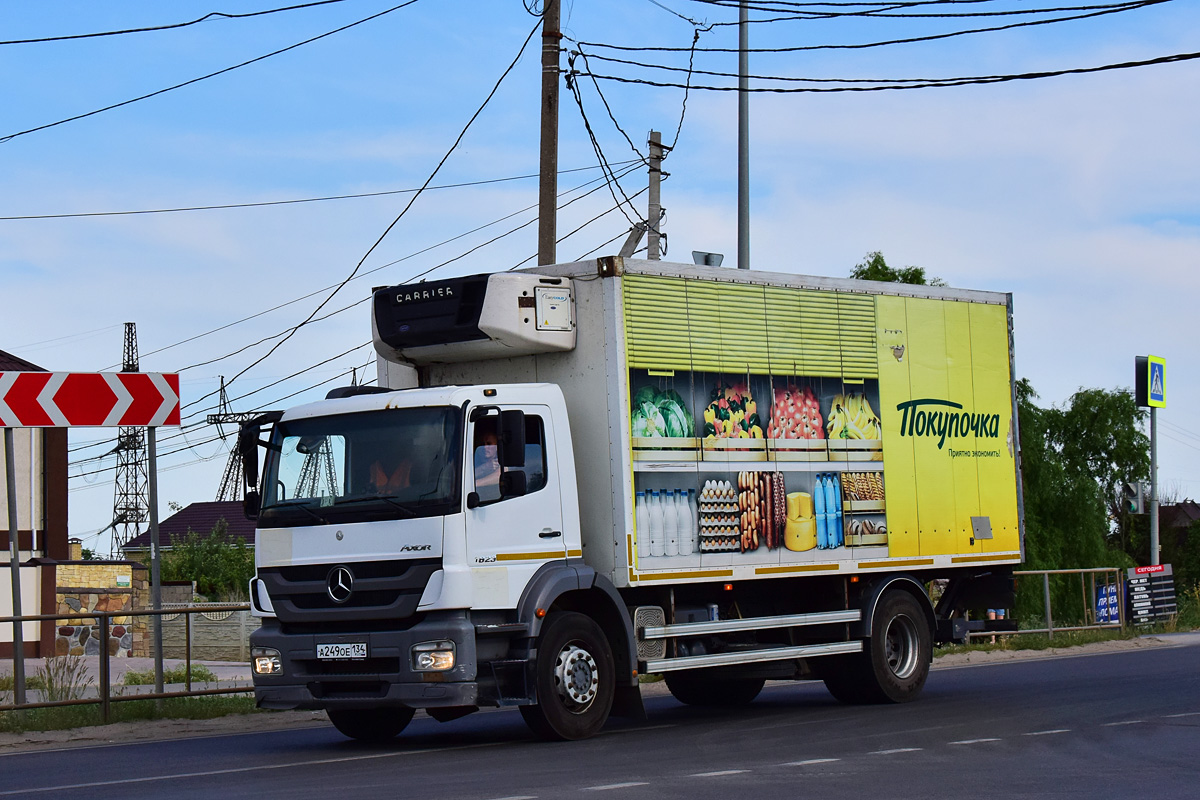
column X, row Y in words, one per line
column 548, row 168
column 654, row 203
column 1155, row 555
column 14, row 560
column 743, row 255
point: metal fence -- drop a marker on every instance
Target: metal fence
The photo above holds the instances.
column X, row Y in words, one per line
column 1078, row 612
column 105, row 696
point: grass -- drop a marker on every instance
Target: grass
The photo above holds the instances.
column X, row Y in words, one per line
column 200, row 674
column 66, row 717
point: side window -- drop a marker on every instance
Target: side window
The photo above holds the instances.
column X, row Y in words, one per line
column 487, row 462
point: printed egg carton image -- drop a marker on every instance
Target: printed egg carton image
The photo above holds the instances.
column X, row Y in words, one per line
column 719, row 532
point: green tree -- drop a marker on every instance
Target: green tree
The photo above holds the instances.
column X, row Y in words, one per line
column 875, row 268
column 1098, row 433
column 221, row 569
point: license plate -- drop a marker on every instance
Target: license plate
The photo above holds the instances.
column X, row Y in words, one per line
column 341, row 652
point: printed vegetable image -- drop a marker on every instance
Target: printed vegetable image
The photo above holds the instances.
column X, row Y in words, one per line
column 662, row 413
column 851, row 417
column 732, row 414
column 796, row 415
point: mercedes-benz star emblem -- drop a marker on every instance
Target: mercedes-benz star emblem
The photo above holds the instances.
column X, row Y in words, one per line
column 340, row 584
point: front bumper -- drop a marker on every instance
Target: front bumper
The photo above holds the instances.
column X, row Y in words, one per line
column 385, row 677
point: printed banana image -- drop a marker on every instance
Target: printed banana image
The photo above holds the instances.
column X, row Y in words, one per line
column 851, row 417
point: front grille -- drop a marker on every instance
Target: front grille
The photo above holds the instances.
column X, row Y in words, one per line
column 381, row 590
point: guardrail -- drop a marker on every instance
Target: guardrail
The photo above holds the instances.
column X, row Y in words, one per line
column 1110, row 576
column 105, row 695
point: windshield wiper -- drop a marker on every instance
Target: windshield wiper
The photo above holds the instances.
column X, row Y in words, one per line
column 300, row 504
column 390, row 499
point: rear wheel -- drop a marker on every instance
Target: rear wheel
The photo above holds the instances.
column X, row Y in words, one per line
column 575, row 679
column 894, row 664
column 371, row 724
column 699, row 689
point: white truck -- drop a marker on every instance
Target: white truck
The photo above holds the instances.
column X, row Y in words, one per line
column 573, row 476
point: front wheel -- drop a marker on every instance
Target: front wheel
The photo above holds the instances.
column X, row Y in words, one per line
column 575, row 679
column 371, row 724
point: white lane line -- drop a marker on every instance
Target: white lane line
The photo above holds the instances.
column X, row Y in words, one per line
column 1125, row 722
column 608, row 786
column 241, row 770
column 1185, row 714
column 518, row 797
column 975, row 741
column 811, row 761
column 894, row 750
column 718, row 773
column 1047, row 733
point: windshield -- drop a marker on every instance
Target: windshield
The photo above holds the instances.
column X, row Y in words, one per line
column 391, row 464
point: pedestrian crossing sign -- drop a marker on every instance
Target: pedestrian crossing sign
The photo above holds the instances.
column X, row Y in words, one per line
column 1156, row 377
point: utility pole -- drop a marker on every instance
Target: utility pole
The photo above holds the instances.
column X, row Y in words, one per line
column 654, row 211
column 548, row 163
column 743, row 257
column 1155, row 548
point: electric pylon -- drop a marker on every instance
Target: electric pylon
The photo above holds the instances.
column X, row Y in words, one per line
column 130, row 503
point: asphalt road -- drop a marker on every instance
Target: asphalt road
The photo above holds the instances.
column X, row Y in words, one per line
column 1124, row 724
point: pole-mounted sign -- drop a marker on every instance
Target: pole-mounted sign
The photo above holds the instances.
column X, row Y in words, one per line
column 1150, row 391
column 1150, row 381
column 84, row 399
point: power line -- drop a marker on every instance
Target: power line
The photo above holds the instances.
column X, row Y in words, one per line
column 12, row 136
column 1132, row 6
column 283, row 202
column 209, row 16
column 400, row 216
column 887, row 84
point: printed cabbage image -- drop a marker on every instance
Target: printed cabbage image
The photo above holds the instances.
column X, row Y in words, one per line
column 661, row 413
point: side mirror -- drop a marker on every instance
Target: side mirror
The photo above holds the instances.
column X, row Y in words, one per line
column 251, row 504
column 513, row 484
column 247, row 444
column 512, row 439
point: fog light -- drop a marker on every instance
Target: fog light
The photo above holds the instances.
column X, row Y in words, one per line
column 266, row 661
column 433, row 656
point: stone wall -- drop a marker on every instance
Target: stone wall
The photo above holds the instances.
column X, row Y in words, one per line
column 111, row 586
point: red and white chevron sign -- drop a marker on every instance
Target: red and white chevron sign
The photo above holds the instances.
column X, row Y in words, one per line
column 93, row 399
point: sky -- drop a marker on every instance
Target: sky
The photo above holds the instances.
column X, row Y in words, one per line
column 1076, row 193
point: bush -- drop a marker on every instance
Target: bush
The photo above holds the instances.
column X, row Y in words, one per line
column 221, row 569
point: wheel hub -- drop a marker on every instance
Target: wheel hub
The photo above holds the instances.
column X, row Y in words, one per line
column 901, row 646
column 576, row 677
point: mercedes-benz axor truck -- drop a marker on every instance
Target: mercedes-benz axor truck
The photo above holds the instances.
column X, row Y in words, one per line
column 574, row 476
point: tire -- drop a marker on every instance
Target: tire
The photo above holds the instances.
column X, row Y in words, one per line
column 894, row 664
column 574, row 677
column 698, row 689
column 371, row 724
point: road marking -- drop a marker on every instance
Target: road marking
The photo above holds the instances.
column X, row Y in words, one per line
column 1185, row 714
column 975, row 741
column 895, row 750
column 241, row 770
column 1047, row 733
column 718, row 773
column 608, row 786
column 519, row 797
column 811, row 761
column 1126, row 722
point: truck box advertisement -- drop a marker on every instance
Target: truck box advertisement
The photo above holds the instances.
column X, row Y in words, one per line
column 803, row 431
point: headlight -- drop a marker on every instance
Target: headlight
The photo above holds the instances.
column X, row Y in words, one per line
column 266, row 661
column 433, row 656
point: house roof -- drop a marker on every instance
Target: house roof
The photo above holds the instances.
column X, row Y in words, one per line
column 11, row 363
column 201, row 518
column 1179, row 515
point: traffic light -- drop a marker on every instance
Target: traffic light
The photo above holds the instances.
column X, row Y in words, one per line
column 1133, row 497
